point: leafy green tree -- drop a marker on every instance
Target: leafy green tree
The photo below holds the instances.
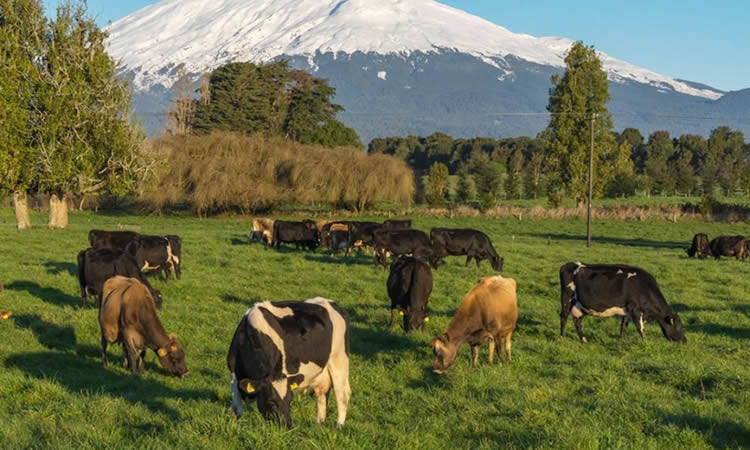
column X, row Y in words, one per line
column 22, row 24
column 437, row 186
column 488, row 180
column 659, row 150
column 513, row 178
column 582, row 91
column 624, row 181
column 684, row 174
column 466, row 190
column 534, row 176
column 335, row 134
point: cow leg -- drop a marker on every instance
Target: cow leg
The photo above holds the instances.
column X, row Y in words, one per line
column 468, row 259
column 390, row 324
column 477, row 260
column 132, row 358
column 623, row 325
column 322, row 388
column 142, row 361
column 578, row 321
column 104, row 351
column 492, row 349
column 508, row 345
column 339, row 372
column 639, row 325
column 475, row 355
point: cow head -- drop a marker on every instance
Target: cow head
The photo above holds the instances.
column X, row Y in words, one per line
column 271, row 404
column 497, row 263
column 671, row 326
column 415, row 319
column 172, row 358
column 445, row 353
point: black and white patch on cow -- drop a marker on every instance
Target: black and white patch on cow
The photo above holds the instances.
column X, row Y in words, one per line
column 285, row 346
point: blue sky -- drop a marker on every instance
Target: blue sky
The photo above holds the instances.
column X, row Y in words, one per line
column 696, row 40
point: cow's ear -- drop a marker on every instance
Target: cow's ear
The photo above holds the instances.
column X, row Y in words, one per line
column 246, row 386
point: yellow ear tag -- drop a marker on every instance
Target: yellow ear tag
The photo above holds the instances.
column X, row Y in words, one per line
column 426, row 319
column 249, row 388
column 294, row 386
column 162, row 352
column 400, row 313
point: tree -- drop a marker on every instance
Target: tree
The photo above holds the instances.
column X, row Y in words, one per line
column 659, row 150
column 533, row 185
column 466, row 190
column 513, row 179
column 581, row 92
column 181, row 114
column 624, row 181
column 437, row 186
column 684, row 175
column 488, row 185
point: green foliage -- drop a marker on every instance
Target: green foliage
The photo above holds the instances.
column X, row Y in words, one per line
column 273, row 100
column 466, row 189
column 437, row 186
column 580, row 93
column 513, row 179
column 488, row 180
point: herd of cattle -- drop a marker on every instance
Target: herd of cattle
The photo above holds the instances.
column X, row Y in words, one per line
column 280, row 347
column 736, row 246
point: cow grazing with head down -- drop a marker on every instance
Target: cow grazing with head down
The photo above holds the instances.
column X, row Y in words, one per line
column 328, row 229
column 728, row 246
column 469, row 242
column 157, row 253
column 111, row 239
column 400, row 242
column 409, row 286
column 303, row 234
column 700, row 246
column 605, row 290
column 257, row 236
column 127, row 315
column 96, row 266
column 338, row 240
column 264, row 226
column 488, row 312
column 280, row 347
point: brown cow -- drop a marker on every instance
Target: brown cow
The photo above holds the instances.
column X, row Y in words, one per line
column 265, row 226
column 488, row 311
column 127, row 314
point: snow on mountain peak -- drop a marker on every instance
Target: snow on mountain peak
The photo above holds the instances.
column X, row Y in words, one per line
column 203, row 35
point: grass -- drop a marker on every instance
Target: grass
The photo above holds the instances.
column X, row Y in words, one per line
column 605, row 394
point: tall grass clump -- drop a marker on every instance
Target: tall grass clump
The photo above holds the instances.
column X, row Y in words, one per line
column 226, row 171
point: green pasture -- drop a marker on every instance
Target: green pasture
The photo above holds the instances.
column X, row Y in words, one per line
column 609, row 393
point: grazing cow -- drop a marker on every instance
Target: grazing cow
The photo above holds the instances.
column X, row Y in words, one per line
column 257, row 236
column 700, row 246
column 401, row 242
column 605, row 290
column 263, row 225
column 727, row 246
column 298, row 233
column 742, row 249
column 157, row 253
column 279, row 347
column 458, row 242
column 111, row 239
column 361, row 234
column 330, row 227
column 409, row 286
column 95, row 266
column 339, row 240
column 488, row 312
column 397, row 224
column 127, row 315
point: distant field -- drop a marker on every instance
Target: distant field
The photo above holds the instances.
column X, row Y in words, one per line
column 605, row 394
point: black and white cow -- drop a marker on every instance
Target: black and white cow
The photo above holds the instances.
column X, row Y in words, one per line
column 409, row 286
column 605, row 290
column 280, row 347
column 157, row 253
column 97, row 265
column 469, row 242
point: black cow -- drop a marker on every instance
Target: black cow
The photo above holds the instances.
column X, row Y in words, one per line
column 257, row 236
column 727, row 246
column 339, row 240
column 97, row 265
column 700, row 246
column 157, row 253
column 397, row 224
column 409, row 286
column 361, row 234
column 303, row 233
column 605, row 290
column 280, row 347
column 111, row 239
column 459, row 242
column 401, row 242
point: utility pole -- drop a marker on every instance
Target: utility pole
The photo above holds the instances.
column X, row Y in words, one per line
column 591, row 183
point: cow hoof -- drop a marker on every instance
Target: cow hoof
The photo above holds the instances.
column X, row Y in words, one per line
column 583, row 339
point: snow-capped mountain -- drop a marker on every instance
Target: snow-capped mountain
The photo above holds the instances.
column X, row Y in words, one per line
column 389, row 54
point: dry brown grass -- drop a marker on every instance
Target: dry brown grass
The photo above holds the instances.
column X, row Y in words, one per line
column 226, row 171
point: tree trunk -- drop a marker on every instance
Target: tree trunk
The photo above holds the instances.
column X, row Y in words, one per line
column 58, row 212
column 21, row 203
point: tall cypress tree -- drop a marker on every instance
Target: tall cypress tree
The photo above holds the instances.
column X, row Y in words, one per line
column 579, row 93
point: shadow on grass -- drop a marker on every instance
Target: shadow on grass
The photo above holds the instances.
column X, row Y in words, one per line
column 720, row 433
column 722, row 330
column 82, row 376
column 55, row 268
column 231, row 298
column 48, row 334
column 47, row 294
column 327, row 258
column 742, row 309
column 367, row 342
column 610, row 240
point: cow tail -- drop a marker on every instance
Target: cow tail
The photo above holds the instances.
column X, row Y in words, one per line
column 82, row 272
column 345, row 315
